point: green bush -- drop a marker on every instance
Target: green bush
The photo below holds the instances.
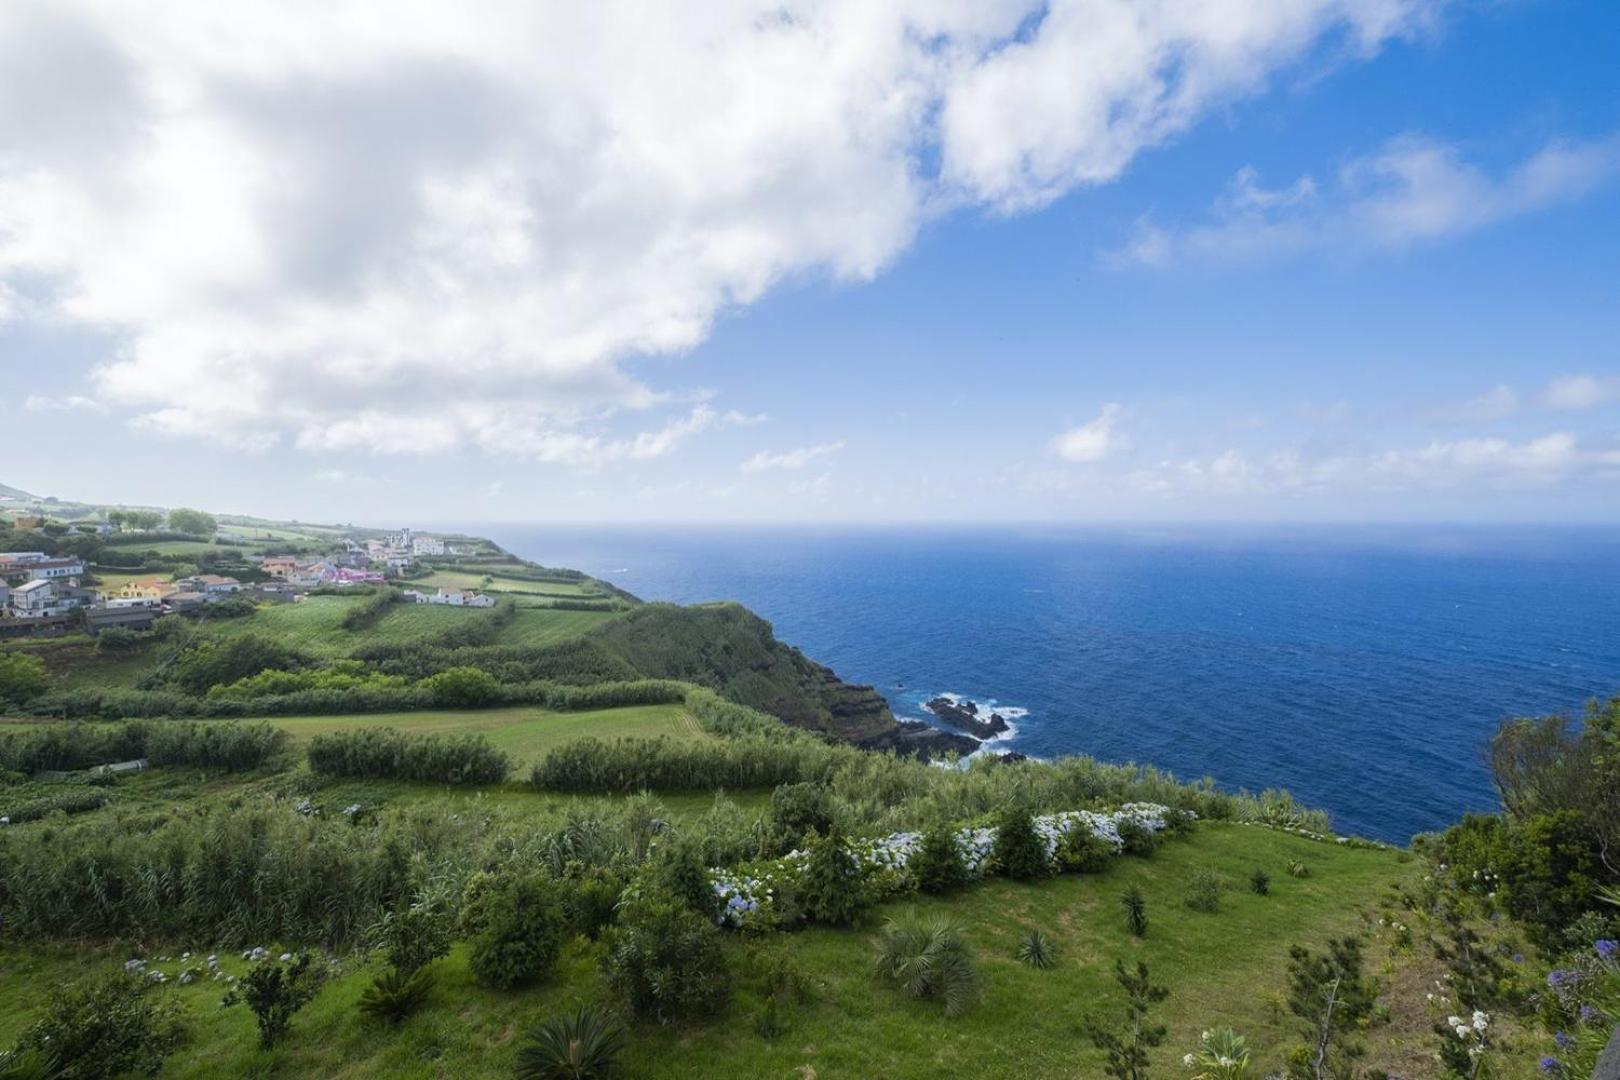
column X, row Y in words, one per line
column 275, row 990
column 227, row 746
column 1260, row 883
column 72, row 801
column 938, row 866
column 797, row 810
column 387, row 754
column 928, row 961
column 590, row 900
column 580, row 1045
column 366, row 613
column 830, row 890
column 415, row 935
column 1139, row 839
column 678, row 869
column 462, row 686
column 519, row 928
column 210, row 662
column 1082, row 852
column 105, row 1027
column 21, row 676
column 1017, row 851
column 118, row 640
column 1204, row 891
column 665, row 962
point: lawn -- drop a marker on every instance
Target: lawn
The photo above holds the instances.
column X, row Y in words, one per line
column 524, row 732
column 471, row 579
column 1223, row 968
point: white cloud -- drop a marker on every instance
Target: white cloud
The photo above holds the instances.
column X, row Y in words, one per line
column 1092, row 441
column 1411, row 191
column 43, row 403
column 1576, row 392
column 448, row 227
column 791, row 459
column 1436, row 465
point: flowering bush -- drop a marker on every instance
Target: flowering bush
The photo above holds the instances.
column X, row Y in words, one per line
column 765, row 893
column 1222, row 1054
column 1464, row 1041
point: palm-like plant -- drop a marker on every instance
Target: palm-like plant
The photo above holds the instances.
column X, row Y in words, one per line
column 1221, row 1055
column 928, row 960
column 394, row 995
column 581, row 1045
column 1036, row 950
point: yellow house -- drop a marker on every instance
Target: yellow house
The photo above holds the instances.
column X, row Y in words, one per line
column 143, row 589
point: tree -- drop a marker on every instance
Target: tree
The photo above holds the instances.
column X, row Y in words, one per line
column 275, row 991
column 193, row 522
column 1333, row 998
column 105, row 1027
column 1017, row 851
column 1127, row 1047
column 831, row 888
column 22, row 676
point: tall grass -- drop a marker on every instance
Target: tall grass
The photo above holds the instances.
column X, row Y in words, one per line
column 388, row 754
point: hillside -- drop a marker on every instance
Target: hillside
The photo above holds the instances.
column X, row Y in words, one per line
column 425, row 835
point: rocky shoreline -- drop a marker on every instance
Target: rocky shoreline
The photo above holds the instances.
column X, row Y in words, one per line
column 966, row 716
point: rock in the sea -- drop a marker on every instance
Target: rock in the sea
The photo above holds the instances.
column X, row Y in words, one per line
column 966, row 717
column 913, row 738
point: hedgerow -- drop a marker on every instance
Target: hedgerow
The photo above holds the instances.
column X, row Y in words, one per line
column 387, row 754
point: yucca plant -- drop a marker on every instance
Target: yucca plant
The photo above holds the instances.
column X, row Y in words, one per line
column 1222, row 1054
column 394, row 995
column 929, row 961
column 1035, row 950
column 1298, row 869
column 581, row 1045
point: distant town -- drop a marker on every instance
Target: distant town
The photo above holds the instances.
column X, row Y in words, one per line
column 54, row 589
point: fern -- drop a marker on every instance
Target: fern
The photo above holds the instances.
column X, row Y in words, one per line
column 394, row 995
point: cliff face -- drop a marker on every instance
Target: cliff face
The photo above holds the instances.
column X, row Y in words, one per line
column 733, row 651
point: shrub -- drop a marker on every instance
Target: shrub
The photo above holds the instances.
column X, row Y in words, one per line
column 1298, row 869
column 591, row 899
column 580, row 1045
column 416, row 935
column 1035, row 950
column 21, row 676
column 938, row 865
column 395, row 995
column 1135, row 905
column 1260, row 883
column 519, row 932
column 1222, row 1054
column 465, row 686
column 117, row 640
column 275, row 991
column 1204, row 891
column 1082, row 852
column 1333, row 1000
column 384, row 753
column 830, row 890
column 797, row 810
column 367, row 613
column 69, row 747
column 1139, row 839
column 1017, row 851
column 678, row 870
column 72, row 801
column 210, row 662
column 665, row 962
column 105, row 1027
column 227, row 746
column 928, row 961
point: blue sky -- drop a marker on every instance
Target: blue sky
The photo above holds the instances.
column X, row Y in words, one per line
column 1358, row 264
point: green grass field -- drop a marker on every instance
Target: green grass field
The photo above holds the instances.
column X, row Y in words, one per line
column 470, row 579
column 1224, row 968
column 315, row 624
column 525, row 733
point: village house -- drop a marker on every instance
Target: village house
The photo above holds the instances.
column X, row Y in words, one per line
column 42, row 597
column 279, row 565
column 184, row 601
column 427, row 545
column 211, row 586
column 461, row 598
column 140, row 589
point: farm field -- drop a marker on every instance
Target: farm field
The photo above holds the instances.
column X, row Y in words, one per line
column 471, row 579
column 315, row 624
column 1224, row 968
column 524, row 732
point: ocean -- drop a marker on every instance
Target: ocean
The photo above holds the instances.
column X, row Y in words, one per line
column 1362, row 669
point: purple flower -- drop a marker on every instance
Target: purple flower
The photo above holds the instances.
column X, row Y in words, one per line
column 1551, row 1066
column 1518, row 958
column 1607, row 948
column 1563, row 1039
column 1589, row 1014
